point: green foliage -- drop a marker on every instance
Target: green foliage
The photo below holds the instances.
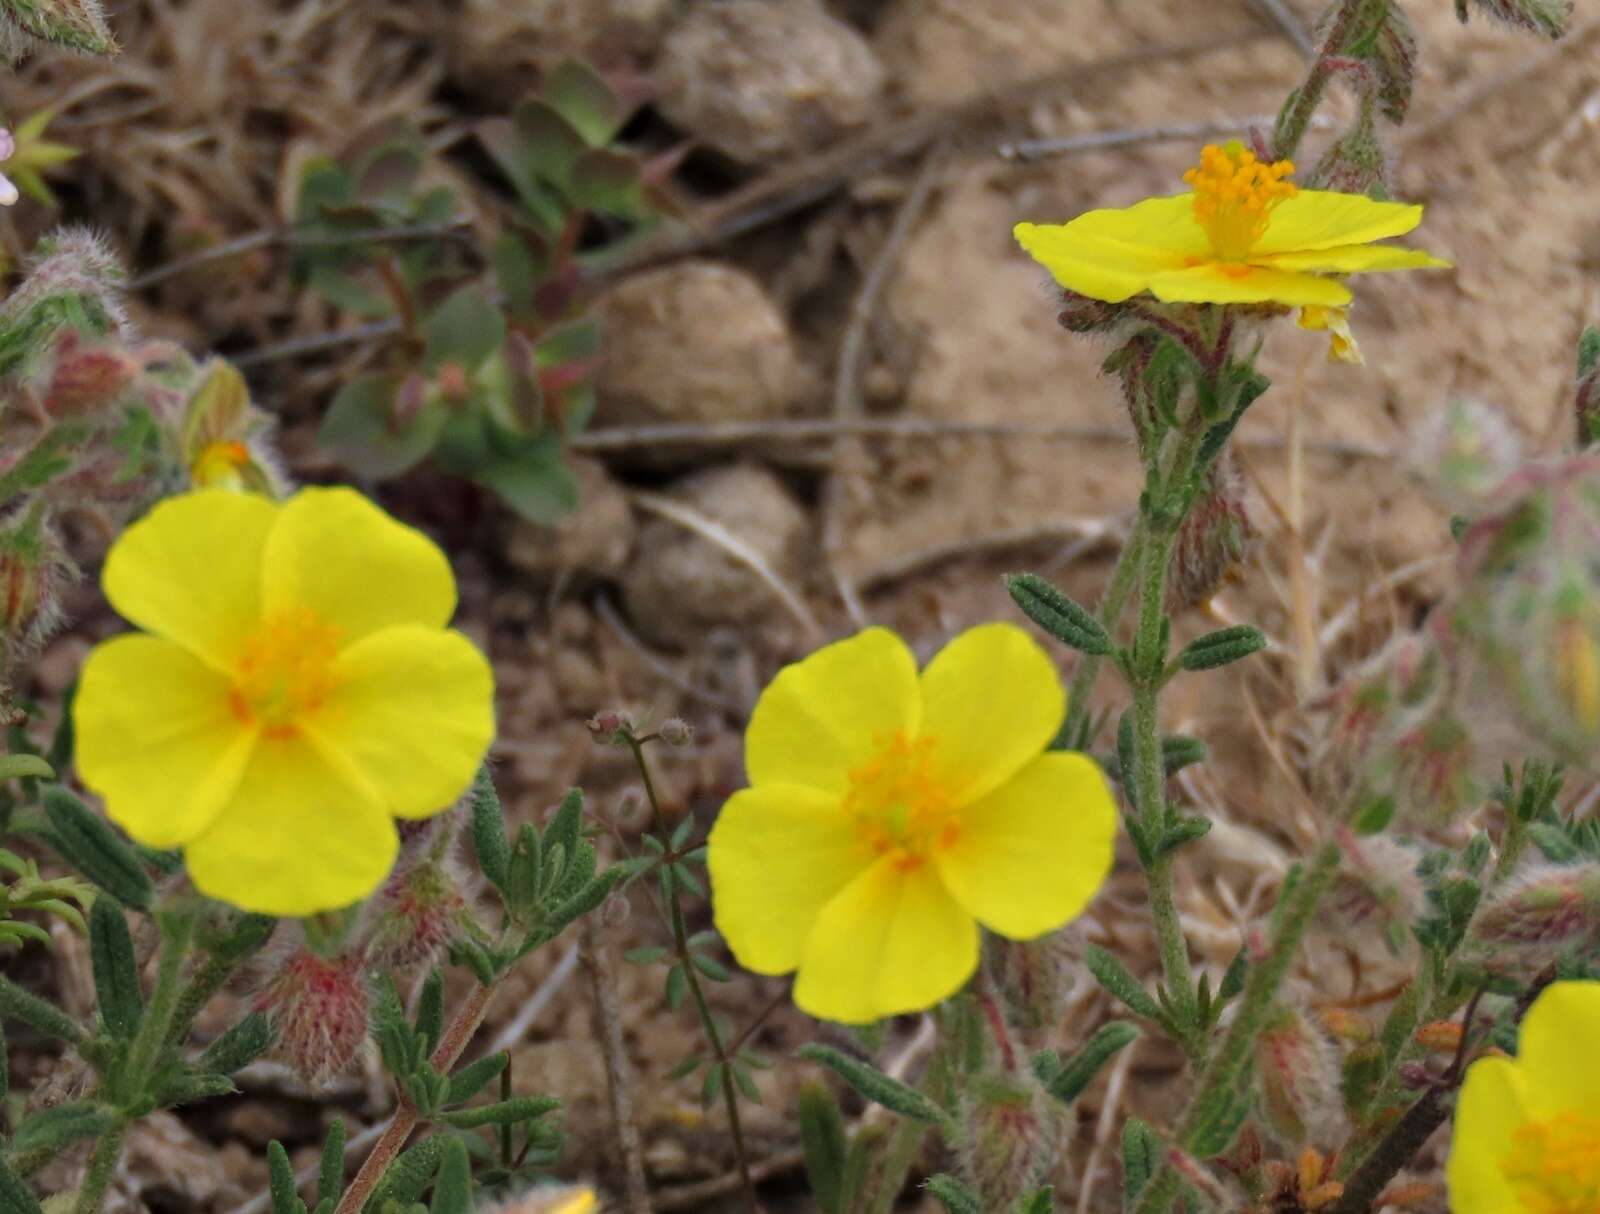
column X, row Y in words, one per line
column 1222, row 647
column 64, row 897
column 875, row 1085
column 953, row 1195
column 1067, row 1080
column 1058, row 614
column 1142, row 1153
column 90, row 844
column 77, row 25
column 826, row 1148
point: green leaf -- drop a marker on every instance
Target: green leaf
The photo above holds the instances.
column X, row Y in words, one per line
column 42, row 1017
column 239, row 1046
column 1217, row 1123
column 409, row 1174
column 330, row 1180
column 280, row 1180
column 1178, row 752
column 537, row 483
column 30, row 767
column 953, row 1195
column 1067, row 1083
column 1119, row 983
column 362, row 428
column 15, row 1197
column 609, row 181
column 875, row 1085
column 489, row 830
column 1554, row 842
column 465, row 329
column 1222, row 647
column 1142, row 1153
column 1058, row 614
column 1042, row 1201
column 823, row 1142
column 116, row 975
column 585, row 100
column 430, row 1008
column 505, row 1112
column 472, row 1078
column 88, row 842
column 452, row 1192
column 63, row 1124
column 1589, row 352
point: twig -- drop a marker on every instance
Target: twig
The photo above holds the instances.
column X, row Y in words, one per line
column 712, row 531
column 1278, row 12
column 619, row 1088
column 791, row 430
column 455, row 1039
column 695, row 1196
column 317, row 343
column 271, row 237
column 847, row 375
column 1028, row 150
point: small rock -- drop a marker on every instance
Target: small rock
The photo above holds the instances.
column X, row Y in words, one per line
column 546, row 31
column 694, row 342
column 680, row 585
column 596, row 538
column 761, row 80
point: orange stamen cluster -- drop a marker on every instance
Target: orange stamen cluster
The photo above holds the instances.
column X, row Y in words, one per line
column 218, row 464
column 1234, row 194
column 285, row 671
column 898, row 802
column 1554, row 1166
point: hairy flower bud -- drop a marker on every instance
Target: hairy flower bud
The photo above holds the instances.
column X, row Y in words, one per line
column 1007, row 1138
column 1394, row 59
column 1297, row 1072
column 1377, row 886
column 675, row 731
column 318, row 1005
column 1213, row 540
column 34, row 570
column 78, row 25
column 74, row 283
column 1034, row 978
column 86, row 378
column 1538, row 914
column 419, row 911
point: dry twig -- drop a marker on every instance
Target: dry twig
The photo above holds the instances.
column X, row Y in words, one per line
column 619, row 1084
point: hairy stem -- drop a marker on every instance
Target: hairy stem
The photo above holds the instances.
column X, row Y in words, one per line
column 102, row 1168
column 1304, row 101
column 1124, row 576
column 450, row 1047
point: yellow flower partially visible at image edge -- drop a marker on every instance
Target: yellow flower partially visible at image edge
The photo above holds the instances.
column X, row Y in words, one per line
column 1245, row 234
column 1527, row 1130
column 295, row 690
column 889, row 814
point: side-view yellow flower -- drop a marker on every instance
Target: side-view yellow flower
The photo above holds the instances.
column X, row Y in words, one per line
column 295, row 691
column 1245, row 234
column 1527, row 1132
column 888, row 815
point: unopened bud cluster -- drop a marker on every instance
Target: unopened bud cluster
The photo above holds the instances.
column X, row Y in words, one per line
column 1544, row 911
column 1007, row 1137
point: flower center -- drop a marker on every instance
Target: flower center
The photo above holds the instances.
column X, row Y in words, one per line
column 1554, row 1166
column 1234, row 194
column 285, row 670
column 898, row 802
column 218, row 464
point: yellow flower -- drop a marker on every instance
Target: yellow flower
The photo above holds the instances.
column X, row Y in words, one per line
column 888, row 815
column 296, row 690
column 1527, row 1132
column 1246, row 234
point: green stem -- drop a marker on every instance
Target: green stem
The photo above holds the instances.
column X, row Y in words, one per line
column 1304, row 101
column 1255, row 1004
column 1124, row 576
column 905, row 1144
column 176, row 929
column 102, row 1167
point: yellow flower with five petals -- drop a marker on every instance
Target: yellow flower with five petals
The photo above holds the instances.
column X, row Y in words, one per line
column 295, row 690
column 1244, row 234
column 1527, row 1131
column 889, row 814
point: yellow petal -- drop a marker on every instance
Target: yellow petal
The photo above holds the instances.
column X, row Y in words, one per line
column 360, row 570
column 1324, row 219
column 1034, row 852
column 1558, row 1049
column 992, row 701
column 1111, row 254
column 412, row 712
column 825, row 714
column 296, row 838
column 1216, row 282
column 777, row 854
column 891, row 941
column 1492, row 1104
column 190, row 571
column 1353, row 259
column 156, row 739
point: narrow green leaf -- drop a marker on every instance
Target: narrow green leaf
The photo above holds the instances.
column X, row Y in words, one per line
column 1222, row 647
column 239, row 1046
column 505, row 1112
column 280, row 1179
column 116, row 976
column 1141, row 1156
column 452, row 1192
column 24, row 766
column 1058, row 614
column 953, row 1195
column 430, row 1008
column 42, row 1017
column 1067, row 1084
column 489, row 830
column 88, row 842
column 330, row 1178
column 875, row 1085
column 823, row 1142
column 62, row 1124
column 16, row 1197
column 1119, row 983
column 475, row 1076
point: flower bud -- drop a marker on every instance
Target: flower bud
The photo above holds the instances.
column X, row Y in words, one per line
column 318, row 1005
column 1006, row 1138
column 1539, row 913
column 74, row 283
column 418, row 912
column 675, row 731
column 1297, row 1071
column 34, row 570
column 1035, row 977
column 1213, row 540
column 223, row 435
column 86, row 378
column 1377, row 885
column 1440, row 1037
column 1394, row 58
column 609, row 723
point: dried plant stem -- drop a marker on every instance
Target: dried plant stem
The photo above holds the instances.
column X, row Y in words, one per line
column 460, row 1031
column 619, row 1087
